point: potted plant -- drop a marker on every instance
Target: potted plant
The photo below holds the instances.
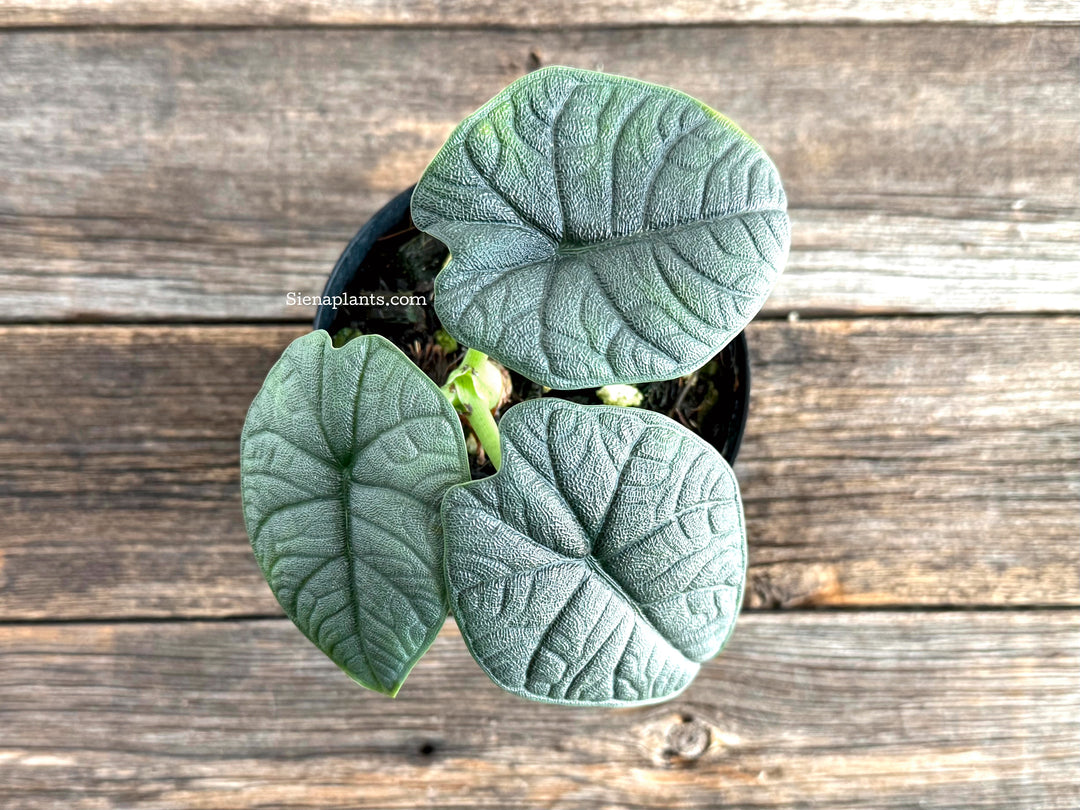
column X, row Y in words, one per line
column 607, row 238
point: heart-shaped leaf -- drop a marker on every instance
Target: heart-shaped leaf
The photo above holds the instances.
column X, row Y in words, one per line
column 602, row 229
column 345, row 457
column 603, row 562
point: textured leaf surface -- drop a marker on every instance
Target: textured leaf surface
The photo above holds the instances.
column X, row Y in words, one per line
column 602, row 229
column 345, row 457
column 603, row 562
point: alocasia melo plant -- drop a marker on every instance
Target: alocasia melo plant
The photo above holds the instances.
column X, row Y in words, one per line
column 603, row 231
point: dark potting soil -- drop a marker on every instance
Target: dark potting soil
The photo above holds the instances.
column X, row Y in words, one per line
column 405, row 262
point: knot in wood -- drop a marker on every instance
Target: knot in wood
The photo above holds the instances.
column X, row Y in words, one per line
column 687, row 739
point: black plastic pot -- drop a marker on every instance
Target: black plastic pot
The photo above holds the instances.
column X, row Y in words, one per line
column 356, row 272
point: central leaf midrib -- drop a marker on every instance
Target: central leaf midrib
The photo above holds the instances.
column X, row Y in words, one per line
column 593, row 565
column 346, row 473
column 567, row 247
column 589, row 560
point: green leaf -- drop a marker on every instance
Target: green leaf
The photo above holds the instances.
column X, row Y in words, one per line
column 603, row 562
column 603, row 230
column 345, row 457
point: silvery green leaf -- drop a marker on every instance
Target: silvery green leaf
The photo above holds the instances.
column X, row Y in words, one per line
column 345, row 457
column 603, row 230
column 603, row 562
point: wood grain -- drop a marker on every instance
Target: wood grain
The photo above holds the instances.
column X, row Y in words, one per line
column 899, row 460
column 882, row 710
column 200, row 175
column 886, row 462
column 520, row 14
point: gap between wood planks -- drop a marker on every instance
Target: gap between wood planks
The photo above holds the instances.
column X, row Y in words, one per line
column 745, row 611
column 794, row 316
column 520, row 13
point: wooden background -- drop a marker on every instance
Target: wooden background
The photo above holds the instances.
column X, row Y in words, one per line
column 169, row 169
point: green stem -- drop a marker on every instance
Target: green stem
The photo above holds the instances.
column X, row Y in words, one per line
column 474, row 399
column 482, row 423
column 473, row 359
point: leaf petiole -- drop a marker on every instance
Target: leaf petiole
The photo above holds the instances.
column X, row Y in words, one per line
column 476, row 388
column 480, row 420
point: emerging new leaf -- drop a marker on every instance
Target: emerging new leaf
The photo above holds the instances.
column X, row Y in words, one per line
column 345, row 457
column 603, row 230
column 603, row 562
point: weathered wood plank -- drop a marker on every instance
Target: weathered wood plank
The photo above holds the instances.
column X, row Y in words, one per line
column 887, row 462
column 160, row 175
column 899, row 460
column 522, row 14
column 839, row 710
